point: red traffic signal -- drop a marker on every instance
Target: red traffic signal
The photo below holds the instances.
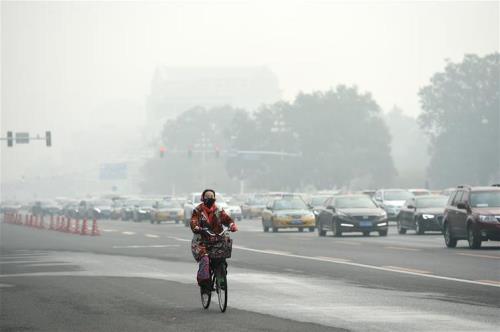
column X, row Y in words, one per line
column 162, row 151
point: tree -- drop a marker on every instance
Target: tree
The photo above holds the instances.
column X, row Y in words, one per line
column 339, row 133
column 461, row 116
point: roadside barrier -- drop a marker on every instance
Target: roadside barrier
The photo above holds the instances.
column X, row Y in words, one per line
column 58, row 223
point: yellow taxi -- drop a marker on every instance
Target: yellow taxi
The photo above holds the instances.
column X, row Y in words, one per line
column 288, row 211
column 167, row 210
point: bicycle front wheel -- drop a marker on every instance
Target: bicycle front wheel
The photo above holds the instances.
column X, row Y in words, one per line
column 206, row 294
column 221, row 288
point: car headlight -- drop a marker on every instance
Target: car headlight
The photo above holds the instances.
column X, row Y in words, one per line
column 382, row 216
column 484, row 218
column 97, row 210
column 382, row 224
column 428, row 216
column 142, row 211
column 315, row 212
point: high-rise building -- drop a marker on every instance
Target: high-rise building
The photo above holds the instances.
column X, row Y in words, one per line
column 176, row 89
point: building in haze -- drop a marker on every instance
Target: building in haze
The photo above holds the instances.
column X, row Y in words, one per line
column 176, row 89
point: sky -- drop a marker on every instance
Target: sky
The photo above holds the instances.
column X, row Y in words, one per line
column 76, row 66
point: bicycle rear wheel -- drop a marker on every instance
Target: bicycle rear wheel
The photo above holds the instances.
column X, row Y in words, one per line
column 221, row 287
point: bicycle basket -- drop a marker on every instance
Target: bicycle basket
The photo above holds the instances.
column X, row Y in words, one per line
column 221, row 249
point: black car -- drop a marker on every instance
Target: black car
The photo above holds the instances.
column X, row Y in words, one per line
column 472, row 214
column 422, row 213
column 352, row 213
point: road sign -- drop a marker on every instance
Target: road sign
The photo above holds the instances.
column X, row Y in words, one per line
column 22, row 138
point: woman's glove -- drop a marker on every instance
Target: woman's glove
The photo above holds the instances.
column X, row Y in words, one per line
column 233, row 227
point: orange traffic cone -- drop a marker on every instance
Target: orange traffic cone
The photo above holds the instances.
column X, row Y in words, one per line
column 95, row 230
column 85, row 229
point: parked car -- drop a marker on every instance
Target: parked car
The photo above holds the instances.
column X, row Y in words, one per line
column 472, row 214
column 167, row 210
column 422, row 213
column 288, row 211
column 352, row 213
column 391, row 200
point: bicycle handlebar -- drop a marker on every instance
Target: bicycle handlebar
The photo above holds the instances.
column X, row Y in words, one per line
column 207, row 231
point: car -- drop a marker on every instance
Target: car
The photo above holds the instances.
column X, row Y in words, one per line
column 472, row 214
column 143, row 208
column 391, row 200
column 420, row 192
column 127, row 208
column 167, row 210
column 253, row 207
column 317, row 203
column 101, row 209
column 422, row 213
column 288, row 211
column 352, row 213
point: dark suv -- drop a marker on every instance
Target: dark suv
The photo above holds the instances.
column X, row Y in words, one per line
column 472, row 214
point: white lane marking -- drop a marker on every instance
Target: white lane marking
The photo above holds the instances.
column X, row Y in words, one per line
column 5, row 285
column 154, row 236
column 147, row 246
column 478, row 255
column 402, row 248
column 179, row 239
column 493, row 282
column 333, row 259
column 373, row 267
column 399, row 268
column 109, row 230
column 128, row 233
column 19, row 262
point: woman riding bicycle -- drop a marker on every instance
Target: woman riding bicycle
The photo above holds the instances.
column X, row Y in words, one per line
column 207, row 216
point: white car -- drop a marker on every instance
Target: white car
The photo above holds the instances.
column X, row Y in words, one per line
column 392, row 200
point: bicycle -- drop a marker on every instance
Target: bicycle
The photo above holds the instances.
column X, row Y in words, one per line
column 218, row 251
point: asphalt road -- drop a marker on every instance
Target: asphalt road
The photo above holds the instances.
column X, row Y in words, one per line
column 141, row 277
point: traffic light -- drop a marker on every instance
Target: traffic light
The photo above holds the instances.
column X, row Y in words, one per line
column 162, row 151
column 10, row 139
column 48, row 138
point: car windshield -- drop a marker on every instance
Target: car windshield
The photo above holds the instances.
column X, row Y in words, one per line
column 355, row 202
column 432, row 202
column 168, row 204
column 290, row 203
column 485, row 199
column 401, row 195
